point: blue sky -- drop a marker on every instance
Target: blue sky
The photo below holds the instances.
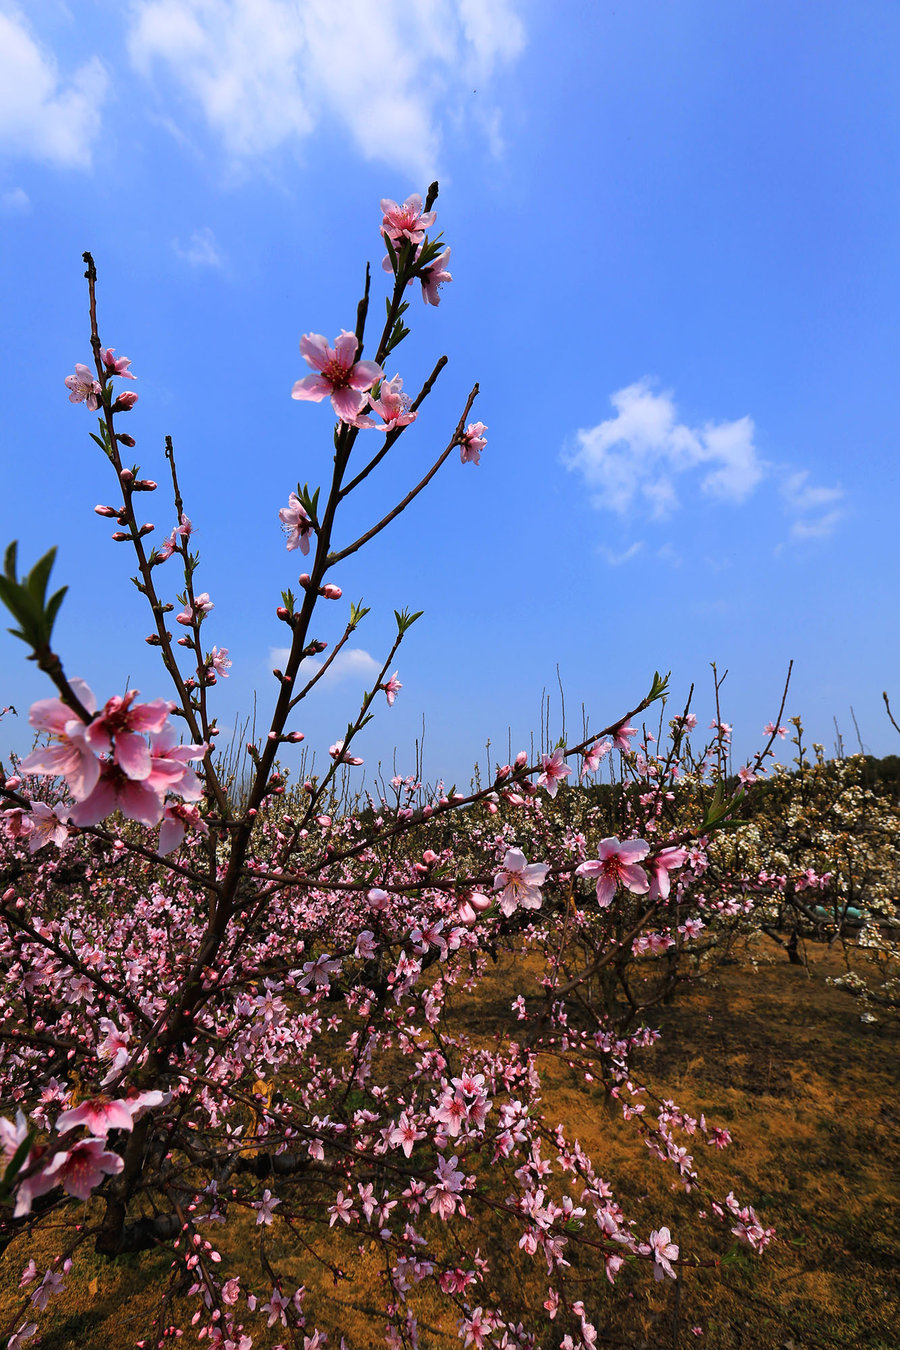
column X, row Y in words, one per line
column 674, row 249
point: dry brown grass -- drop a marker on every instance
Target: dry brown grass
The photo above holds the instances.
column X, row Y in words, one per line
column 779, row 1057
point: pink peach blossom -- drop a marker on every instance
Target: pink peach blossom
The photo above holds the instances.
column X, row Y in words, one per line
column 519, row 882
column 615, row 866
column 118, row 730
column 117, row 365
column 339, row 377
column 82, row 1167
column 665, row 862
column 593, row 756
column 84, row 388
column 472, row 443
column 622, row 737
column 296, row 524
column 433, row 278
column 72, row 757
column 408, row 221
column 391, row 689
column 392, row 405
column 555, row 770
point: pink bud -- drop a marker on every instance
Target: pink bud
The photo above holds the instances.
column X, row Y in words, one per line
column 126, row 476
column 296, row 737
column 126, row 401
column 126, row 440
column 147, row 529
column 120, row 536
column 109, row 511
column 12, row 783
column 283, row 613
column 304, row 579
column 324, row 821
column 429, row 856
column 145, row 485
column 466, row 914
column 427, row 812
column 479, row 901
column 332, row 592
column 521, row 759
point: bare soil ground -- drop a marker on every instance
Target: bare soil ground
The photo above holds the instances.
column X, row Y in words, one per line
column 775, row 1054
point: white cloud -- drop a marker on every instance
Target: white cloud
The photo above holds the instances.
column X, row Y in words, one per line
column 636, row 456
column 816, row 508
column 43, row 115
column 617, row 559
column 351, row 663
column 268, row 73
column 16, row 201
column 201, row 249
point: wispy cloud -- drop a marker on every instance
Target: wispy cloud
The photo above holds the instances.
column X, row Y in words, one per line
column 270, row 73
column 44, row 115
column 16, row 202
column 637, row 456
column 617, row 559
column 351, row 663
column 201, row 250
column 816, row 509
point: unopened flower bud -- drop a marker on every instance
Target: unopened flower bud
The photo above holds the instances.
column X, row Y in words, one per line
column 145, row 485
column 185, row 642
column 120, row 536
column 319, row 647
column 296, row 737
column 12, row 783
column 304, row 579
column 126, row 401
column 146, row 529
column 521, row 759
column 331, row 592
column 109, row 512
column 125, row 439
column 283, row 613
column 126, row 476
column 153, row 640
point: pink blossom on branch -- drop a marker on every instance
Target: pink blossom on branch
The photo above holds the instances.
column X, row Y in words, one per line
column 82, row 1167
column 408, row 221
column 72, row 757
column 117, row 365
column 118, row 730
column 622, row 737
column 337, row 752
column 617, row 866
column 83, row 387
column 519, row 882
column 296, row 524
column 392, row 405
column 391, row 689
column 434, row 277
column 555, row 770
column 593, row 756
column 472, row 443
column 669, row 860
column 339, row 377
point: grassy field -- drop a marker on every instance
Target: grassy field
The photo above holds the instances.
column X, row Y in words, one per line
column 776, row 1055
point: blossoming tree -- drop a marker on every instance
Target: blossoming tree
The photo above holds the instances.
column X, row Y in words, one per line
column 222, row 1015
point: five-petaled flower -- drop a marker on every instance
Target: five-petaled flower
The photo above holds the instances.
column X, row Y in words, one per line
column 391, row 689
column 593, row 756
column 83, row 387
column 296, row 524
column 664, row 1252
column 392, row 405
column 340, row 377
column 617, row 865
column 555, row 770
column 433, row 278
column 408, row 221
column 472, row 443
column 117, row 365
column 519, row 882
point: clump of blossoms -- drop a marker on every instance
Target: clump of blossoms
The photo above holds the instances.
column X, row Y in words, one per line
column 253, row 1012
